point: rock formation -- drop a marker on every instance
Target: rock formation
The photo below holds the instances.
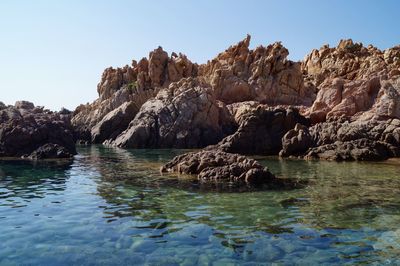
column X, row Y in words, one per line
column 353, row 79
column 136, row 83
column 345, row 140
column 308, row 109
column 26, row 130
column 184, row 115
column 218, row 166
column 263, row 74
column 259, row 130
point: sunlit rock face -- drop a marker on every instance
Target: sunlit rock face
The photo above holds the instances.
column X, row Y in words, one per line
column 264, row 74
column 167, row 101
column 184, row 115
column 135, row 83
column 238, row 74
column 354, row 81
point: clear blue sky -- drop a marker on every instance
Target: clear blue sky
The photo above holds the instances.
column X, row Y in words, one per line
column 53, row 52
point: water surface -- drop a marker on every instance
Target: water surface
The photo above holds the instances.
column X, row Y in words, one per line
column 112, row 207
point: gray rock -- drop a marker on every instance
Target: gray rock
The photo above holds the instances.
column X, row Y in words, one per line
column 215, row 165
column 114, row 123
column 261, row 130
column 24, row 130
column 296, row 141
column 50, row 151
column 185, row 115
column 24, row 105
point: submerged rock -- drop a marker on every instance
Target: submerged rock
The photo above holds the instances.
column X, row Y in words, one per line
column 217, row 166
column 24, row 128
column 296, row 141
column 50, row 151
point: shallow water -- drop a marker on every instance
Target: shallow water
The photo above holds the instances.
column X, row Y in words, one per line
column 112, row 207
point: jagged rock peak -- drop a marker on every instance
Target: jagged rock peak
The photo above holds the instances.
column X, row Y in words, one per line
column 158, row 71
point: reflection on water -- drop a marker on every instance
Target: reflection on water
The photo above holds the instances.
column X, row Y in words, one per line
column 111, row 206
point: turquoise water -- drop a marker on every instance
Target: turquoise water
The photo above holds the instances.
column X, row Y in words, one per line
column 112, row 207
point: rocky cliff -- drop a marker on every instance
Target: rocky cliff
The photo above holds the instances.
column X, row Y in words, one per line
column 250, row 101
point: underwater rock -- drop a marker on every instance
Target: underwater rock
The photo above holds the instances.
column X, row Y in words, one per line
column 50, row 151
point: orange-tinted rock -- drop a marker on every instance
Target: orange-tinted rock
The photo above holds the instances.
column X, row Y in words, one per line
column 352, row 80
column 263, row 74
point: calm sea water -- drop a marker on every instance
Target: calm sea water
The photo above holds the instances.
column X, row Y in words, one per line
column 112, row 207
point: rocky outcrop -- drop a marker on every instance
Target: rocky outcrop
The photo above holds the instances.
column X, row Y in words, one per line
column 114, row 123
column 218, row 166
column 26, row 129
column 86, row 117
column 296, row 141
column 353, row 79
column 136, row 83
column 345, row 140
column 169, row 102
column 157, row 71
column 50, row 151
column 359, row 150
column 184, row 115
column 263, row 74
column 261, row 130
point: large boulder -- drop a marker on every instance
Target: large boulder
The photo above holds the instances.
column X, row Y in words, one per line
column 24, row 105
column 24, row 128
column 345, row 140
column 184, row 115
column 86, row 117
column 218, row 166
column 114, row 123
column 261, row 130
column 359, row 150
column 296, row 141
column 50, row 151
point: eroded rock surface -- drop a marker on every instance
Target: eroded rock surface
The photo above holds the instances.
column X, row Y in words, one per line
column 215, row 165
column 169, row 102
column 261, row 130
column 345, row 140
column 352, row 80
column 184, row 115
column 114, row 123
column 50, row 151
column 24, row 128
column 263, row 74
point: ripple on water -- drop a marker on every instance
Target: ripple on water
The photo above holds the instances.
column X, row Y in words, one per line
column 111, row 206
